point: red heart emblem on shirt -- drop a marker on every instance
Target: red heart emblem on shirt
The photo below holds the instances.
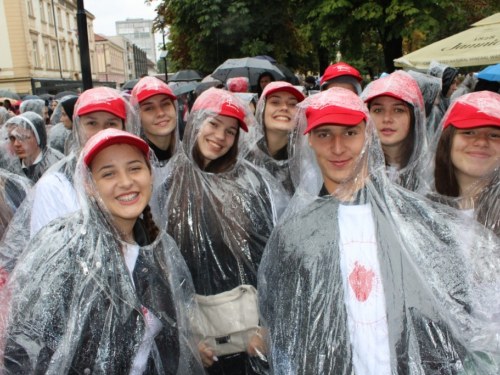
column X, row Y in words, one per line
column 361, row 280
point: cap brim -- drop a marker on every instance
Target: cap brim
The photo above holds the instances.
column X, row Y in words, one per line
column 342, row 119
column 391, row 94
column 290, row 89
column 148, row 95
column 101, row 108
column 120, row 139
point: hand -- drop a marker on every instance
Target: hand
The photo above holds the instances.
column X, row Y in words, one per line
column 206, row 354
column 257, row 346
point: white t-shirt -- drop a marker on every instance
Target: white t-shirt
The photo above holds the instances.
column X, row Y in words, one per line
column 55, row 197
column 363, row 291
column 153, row 325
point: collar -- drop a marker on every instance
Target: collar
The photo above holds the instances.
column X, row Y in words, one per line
column 140, row 235
column 161, row 155
column 359, row 196
column 37, row 160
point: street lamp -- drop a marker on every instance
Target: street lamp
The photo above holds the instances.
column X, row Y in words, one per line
column 163, row 55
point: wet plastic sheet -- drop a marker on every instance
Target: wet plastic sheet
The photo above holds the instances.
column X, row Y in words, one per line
column 13, row 190
column 436, row 272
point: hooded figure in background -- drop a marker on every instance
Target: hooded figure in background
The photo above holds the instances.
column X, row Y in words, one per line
column 13, row 190
column 28, row 137
column 157, row 107
column 430, row 87
column 7, row 153
column 466, row 87
column 362, row 276
column 467, row 158
column 55, row 194
column 275, row 115
column 448, row 76
column 397, row 108
column 38, row 106
column 220, row 209
column 342, row 75
column 102, row 291
column 62, row 121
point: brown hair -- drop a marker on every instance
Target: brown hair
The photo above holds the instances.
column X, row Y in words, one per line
column 149, row 224
column 221, row 164
column 445, row 180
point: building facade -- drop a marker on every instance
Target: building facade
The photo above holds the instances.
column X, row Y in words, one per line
column 110, row 60
column 128, row 55
column 140, row 32
column 39, row 40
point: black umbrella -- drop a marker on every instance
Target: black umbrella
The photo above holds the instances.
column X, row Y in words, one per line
column 265, row 57
column 289, row 76
column 28, row 97
column 185, row 75
column 46, row 96
column 246, row 67
column 130, row 84
column 9, row 94
column 64, row 93
column 179, row 90
column 206, row 85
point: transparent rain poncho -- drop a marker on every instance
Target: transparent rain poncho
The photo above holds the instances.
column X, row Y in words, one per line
column 260, row 155
column 74, row 306
column 145, row 88
column 481, row 199
column 55, row 195
column 447, row 75
column 24, row 128
column 13, row 190
column 466, row 87
column 59, row 136
column 430, row 284
column 402, row 86
column 32, row 105
column 6, row 151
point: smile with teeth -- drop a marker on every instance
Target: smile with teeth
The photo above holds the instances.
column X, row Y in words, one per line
column 162, row 123
column 127, row 197
column 215, row 145
column 282, row 118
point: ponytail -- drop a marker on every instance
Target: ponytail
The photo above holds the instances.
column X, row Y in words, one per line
column 152, row 230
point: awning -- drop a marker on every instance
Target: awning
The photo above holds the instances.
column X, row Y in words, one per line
column 479, row 45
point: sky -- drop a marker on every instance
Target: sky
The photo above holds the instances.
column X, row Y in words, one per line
column 107, row 12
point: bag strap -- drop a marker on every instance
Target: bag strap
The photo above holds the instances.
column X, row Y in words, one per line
column 241, row 271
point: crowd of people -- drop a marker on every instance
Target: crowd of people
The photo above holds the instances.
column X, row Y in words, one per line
column 337, row 230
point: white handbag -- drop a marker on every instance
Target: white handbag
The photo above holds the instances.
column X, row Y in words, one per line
column 230, row 319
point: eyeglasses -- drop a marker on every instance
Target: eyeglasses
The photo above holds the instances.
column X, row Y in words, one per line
column 19, row 137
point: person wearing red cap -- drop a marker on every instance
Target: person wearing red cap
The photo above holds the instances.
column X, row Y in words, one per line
column 368, row 277
column 119, row 294
column 55, row 195
column 275, row 114
column 397, row 108
column 220, row 209
column 157, row 106
column 341, row 75
column 238, row 84
column 467, row 158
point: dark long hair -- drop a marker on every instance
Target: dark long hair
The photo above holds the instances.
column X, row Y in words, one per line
column 445, row 180
column 262, row 75
column 222, row 164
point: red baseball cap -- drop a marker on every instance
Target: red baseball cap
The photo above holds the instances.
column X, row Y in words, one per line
column 391, row 94
column 113, row 105
column 150, row 86
column 332, row 115
column 232, row 110
column 109, row 137
column 465, row 116
column 237, row 84
column 340, row 69
column 282, row 86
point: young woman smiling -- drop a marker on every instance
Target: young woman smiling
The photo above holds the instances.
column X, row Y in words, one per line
column 110, row 280
column 275, row 114
column 397, row 108
column 467, row 157
column 220, row 209
column 157, row 106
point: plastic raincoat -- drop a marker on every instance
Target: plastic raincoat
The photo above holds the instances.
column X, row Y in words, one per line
column 403, row 87
column 6, row 151
column 481, row 200
column 77, row 306
column 48, row 156
column 220, row 221
column 13, row 190
column 277, row 166
column 59, row 135
column 55, row 195
column 447, row 75
column 431, row 306
column 32, row 105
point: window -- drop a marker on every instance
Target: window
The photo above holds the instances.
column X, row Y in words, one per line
column 67, row 21
column 59, row 22
column 63, row 58
column 49, row 12
column 71, row 59
column 35, row 54
column 54, row 58
column 42, row 11
column 30, row 8
column 47, row 56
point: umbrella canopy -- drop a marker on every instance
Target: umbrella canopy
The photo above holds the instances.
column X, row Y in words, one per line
column 491, row 73
column 246, row 67
column 46, row 96
column 206, row 85
column 185, row 75
column 28, row 97
column 12, row 101
column 179, row 90
column 479, row 45
column 9, row 94
column 289, row 76
column 130, row 84
column 64, row 93
column 265, row 57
